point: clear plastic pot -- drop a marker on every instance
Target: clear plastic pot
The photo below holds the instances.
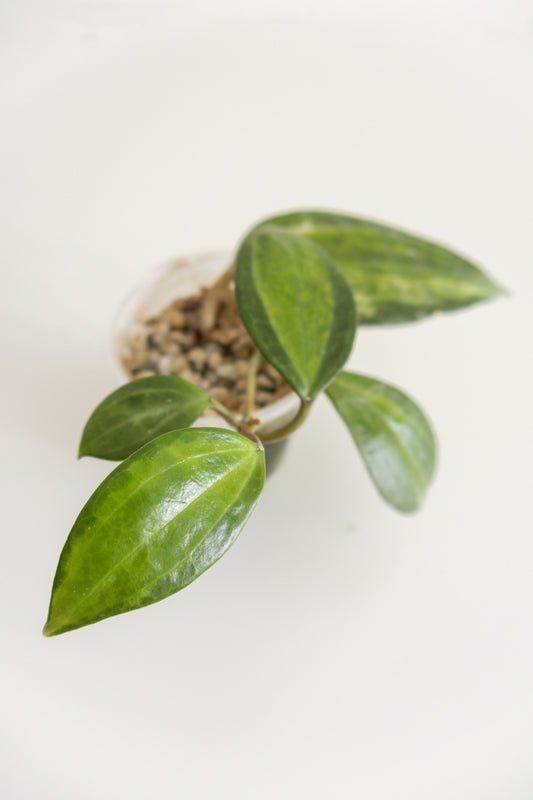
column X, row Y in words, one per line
column 185, row 277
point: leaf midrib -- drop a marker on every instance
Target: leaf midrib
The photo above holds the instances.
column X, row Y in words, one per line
column 287, row 365
column 139, row 415
column 152, row 535
column 157, row 475
column 213, row 526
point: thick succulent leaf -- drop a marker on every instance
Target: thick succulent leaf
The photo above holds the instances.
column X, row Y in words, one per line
column 392, row 434
column 395, row 277
column 139, row 412
column 297, row 307
column 155, row 524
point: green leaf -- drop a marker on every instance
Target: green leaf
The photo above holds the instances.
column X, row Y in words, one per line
column 392, row 434
column 138, row 412
column 395, row 277
column 158, row 521
column 297, row 307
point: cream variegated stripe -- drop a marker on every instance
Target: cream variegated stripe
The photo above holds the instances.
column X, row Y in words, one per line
column 395, row 276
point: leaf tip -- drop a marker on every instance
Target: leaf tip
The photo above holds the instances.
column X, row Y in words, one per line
column 83, row 450
column 408, row 509
column 493, row 290
column 502, row 291
column 48, row 629
column 56, row 625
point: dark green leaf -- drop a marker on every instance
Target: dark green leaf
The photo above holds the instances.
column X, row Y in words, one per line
column 297, row 307
column 395, row 277
column 392, row 434
column 155, row 524
column 138, row 412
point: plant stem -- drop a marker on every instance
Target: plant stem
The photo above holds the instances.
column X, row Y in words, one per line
column 228, row 416
column 251, row 387
column 247, row 427
column 240, row 427
column 282, row 433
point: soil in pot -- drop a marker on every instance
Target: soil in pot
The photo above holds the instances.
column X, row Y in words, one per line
column 202, row 339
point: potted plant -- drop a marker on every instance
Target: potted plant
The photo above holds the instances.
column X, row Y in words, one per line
column 303, row 282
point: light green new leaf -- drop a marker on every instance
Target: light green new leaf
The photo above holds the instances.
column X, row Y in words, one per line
column 395, row 277
column 296, row 306
column 138, row 412
column 158, row 521
column 392, row 434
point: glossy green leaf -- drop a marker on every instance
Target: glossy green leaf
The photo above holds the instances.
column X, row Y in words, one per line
column 392, row 434
column 138, row 412
column 155, row 524
column 395, row 277
column 297, row 307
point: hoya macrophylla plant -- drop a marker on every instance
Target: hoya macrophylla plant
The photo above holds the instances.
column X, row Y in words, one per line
column 181, row 496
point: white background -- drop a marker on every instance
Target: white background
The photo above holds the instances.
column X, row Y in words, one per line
column 340, row 650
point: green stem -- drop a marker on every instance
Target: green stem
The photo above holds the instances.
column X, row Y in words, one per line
column 228, row 416
column 282, row 433
column 251, row 386
column 256, row 435
column 239, row 426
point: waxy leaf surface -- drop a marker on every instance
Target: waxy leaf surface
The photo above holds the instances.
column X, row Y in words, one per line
column 139, row 412
column 155, row 524
column 296, row 306
column 395, row 277
column 392, row 434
